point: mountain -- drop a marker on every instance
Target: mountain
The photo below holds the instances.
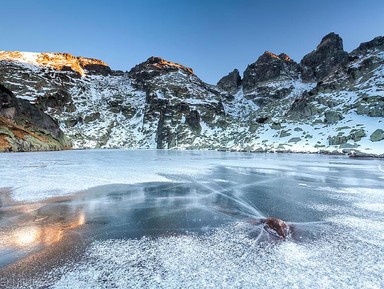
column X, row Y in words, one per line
column 331, row 101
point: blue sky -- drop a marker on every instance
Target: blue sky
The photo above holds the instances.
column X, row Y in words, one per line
column 211, row 36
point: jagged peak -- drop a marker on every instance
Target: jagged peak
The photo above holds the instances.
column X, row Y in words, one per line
column 56, row 60
column 267, row 55
column 234, row 74
column 161, row 63
column 270, row 54
column 377, row 42
column 155, row 67
column 230, row 82
column 285, row 57
column 331, row 40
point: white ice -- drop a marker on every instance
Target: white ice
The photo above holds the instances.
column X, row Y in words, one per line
column 348, row 250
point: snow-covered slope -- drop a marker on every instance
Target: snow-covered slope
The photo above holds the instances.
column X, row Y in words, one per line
column 161, row 104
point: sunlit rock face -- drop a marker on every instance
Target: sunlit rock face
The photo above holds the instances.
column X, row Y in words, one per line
column 59, row 61
column 331, row 101
column 155, row 66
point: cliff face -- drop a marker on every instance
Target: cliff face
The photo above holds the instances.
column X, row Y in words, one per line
column 326, row 59
column 231, row 82
column 331, row 101
column 24, row 127
column 271, row 77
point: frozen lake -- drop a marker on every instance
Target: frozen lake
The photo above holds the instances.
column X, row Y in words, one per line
column 185, row 219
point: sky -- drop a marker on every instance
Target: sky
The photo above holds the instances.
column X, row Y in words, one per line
column 213, row 37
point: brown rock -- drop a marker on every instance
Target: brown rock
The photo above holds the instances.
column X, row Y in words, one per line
column 277, row 227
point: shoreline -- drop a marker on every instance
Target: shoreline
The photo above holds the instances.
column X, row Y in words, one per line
column 351, row 153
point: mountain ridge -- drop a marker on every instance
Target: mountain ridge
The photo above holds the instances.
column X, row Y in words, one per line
column 278, row 105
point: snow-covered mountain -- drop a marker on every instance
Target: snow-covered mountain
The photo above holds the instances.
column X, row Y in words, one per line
column 331, row 101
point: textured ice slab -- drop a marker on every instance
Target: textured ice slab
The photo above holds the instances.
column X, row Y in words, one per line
column 36, row 176
column 180, row 219
column 227, row 259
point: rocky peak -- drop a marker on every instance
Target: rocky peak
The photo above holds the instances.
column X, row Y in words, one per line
column 269, row 67
column 269, row 57
column 159, row 63
column 153, row 67
column 365, row 59
column 59, row 61
column 285, row 57
column 376, row 43
column 329, row 55
column 231, row 82
column 331, row 41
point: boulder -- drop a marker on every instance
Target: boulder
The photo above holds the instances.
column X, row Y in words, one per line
column 284, row 133
column 357, row 134
column 332, row 117
column 92, row 117
column 377, row 135
column 262, row 120
column 302, row 108
column 337, row 140
column 294, row 140
column 372, row 106
column 276, row 125
column 276, row 227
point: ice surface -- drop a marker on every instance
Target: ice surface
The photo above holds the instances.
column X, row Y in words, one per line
column 228, row 258
column 335, row 205
column 36, row 176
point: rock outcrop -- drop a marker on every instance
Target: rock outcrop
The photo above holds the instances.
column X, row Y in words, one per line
column 260, row 78
column 328, row 56
column 365, row 47
column 377, row 135
column 302, row 108
column 269, row 67
column 230, row 83
column 155, row 67
column 60, row 61
column 24, row 127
